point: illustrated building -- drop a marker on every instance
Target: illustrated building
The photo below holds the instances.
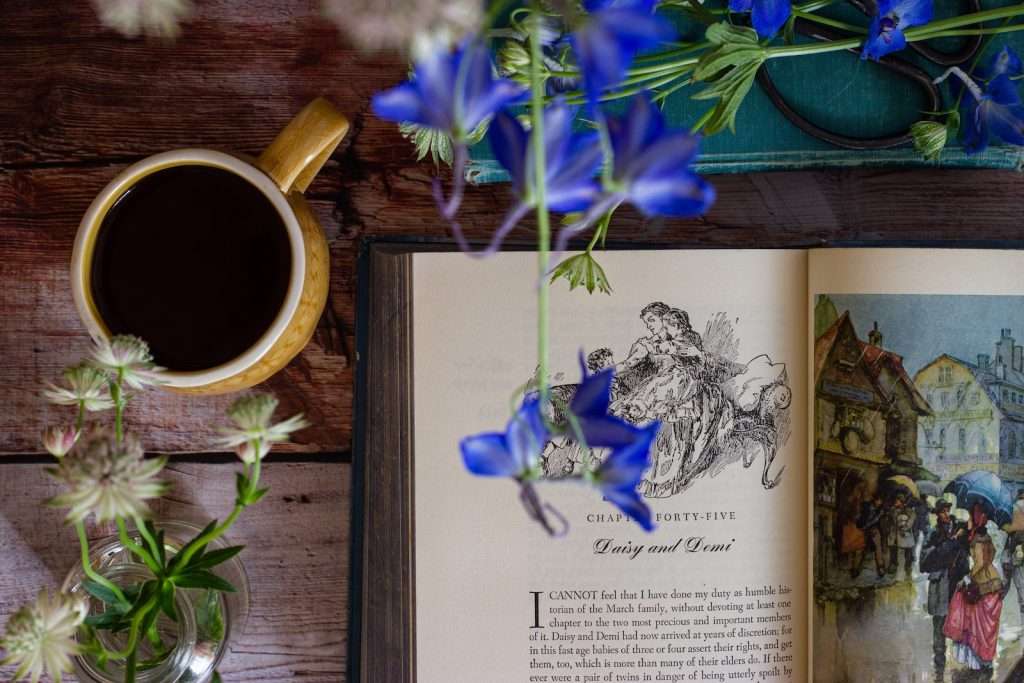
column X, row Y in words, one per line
column 866, row 415
column 978, row 418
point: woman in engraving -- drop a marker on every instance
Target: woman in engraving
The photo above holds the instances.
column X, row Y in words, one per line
column 675, row 355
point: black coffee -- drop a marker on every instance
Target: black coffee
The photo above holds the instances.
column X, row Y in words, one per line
column 194, row 260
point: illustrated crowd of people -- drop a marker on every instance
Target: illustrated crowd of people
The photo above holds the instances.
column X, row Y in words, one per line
column 967, row 579
column 669, row 375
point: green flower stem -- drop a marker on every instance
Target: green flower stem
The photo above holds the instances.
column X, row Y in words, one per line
column 154, row 548
column 83, row 542
column 117, row 393
column 130, row 648
column 541, row 204
column 963, row 20
column 826, row 21
column 135, row 548
column 80, row 418
column 600, row 231
column 978, row 32
column 206, row 539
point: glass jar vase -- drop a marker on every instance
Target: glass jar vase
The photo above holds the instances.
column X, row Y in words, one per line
column 188, row 650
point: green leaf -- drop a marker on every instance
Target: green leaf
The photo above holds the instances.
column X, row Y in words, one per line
column 257, row 496
column 176, row 562
column 241, row 485
column 582, row 269
column 101, row 592
column 105, row 620
column 215, row 557
column 729, row 70
column 216, row 678
column 203, row 579
column 167, row 600
column 160, row 547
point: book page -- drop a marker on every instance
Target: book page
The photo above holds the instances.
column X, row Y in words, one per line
column 717, row 592
column 918, row 442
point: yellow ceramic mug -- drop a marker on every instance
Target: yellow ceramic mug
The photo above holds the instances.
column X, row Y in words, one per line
column 282, row 173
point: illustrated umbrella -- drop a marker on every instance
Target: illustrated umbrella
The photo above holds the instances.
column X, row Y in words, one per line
column 928, row 488
column 903, row 481
column 986, row 489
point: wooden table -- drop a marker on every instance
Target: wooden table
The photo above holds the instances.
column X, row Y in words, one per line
column 78, row 103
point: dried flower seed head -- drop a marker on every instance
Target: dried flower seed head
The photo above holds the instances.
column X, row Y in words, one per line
column 132, row 18
column 108, row 479
column 40, row 637
column 85, row 386
column 128, row 356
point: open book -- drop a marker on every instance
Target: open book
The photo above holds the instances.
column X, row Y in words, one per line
column 833, row 486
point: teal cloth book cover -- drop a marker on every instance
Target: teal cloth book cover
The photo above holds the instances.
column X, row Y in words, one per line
column 837, row 91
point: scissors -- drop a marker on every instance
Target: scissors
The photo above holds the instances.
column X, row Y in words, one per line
column 892, row 63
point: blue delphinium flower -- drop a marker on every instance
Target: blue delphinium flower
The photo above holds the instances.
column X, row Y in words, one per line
column 652, row 163
column 651, row 169
column 610, row 37
column 513, row 453
column 619, row 475
column 885, row 35
column 572, row 158
column 589, row 409
column 767, row 16
column 996, row 108
column 451, row 90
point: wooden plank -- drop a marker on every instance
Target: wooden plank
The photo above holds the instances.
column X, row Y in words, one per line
column 74, row 90
column 297, row 559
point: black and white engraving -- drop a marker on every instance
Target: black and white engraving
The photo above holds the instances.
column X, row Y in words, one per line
column 713, row 410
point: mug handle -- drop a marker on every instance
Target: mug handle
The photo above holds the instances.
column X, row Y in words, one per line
column 300, row 150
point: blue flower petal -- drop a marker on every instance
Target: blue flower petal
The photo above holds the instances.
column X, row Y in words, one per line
column 624, row 467
column 593, row 396
column 1006, row 62
column 483, row 95
column 488, row 455
column 632, row 505
column 508, row 142
column 684, row 195
column 1003, row 91
column 630, row 135
column 1007, row 122
column 740, row 6
column 526, row 435
column 572, row 186
column 607, row 431
column 912, row 12
column 880, row 43
column 768, row 16
column 402, row 103
column 434, row 77
column 973, row 127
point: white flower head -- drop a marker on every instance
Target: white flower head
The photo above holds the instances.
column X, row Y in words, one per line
column 251, row 415
column 108, row 479
column 400, row 24
column 86, row 386
column 40, row 637
column 131, row 18
column 249, row 455
column 59, row 440
column 128, row 356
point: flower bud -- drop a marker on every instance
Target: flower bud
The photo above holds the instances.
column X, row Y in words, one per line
column 59, row 440
column 929, row 138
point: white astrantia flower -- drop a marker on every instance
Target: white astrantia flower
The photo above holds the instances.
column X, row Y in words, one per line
column 40, row 637
column 249, row 455
column 251, row 415
column 402, row 24
column 86, row 385
column 131, row 18
column 59, row 441
column 128, row 356
column 108, row 479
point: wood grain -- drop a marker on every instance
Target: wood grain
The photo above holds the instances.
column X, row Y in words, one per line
column 297, row 558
